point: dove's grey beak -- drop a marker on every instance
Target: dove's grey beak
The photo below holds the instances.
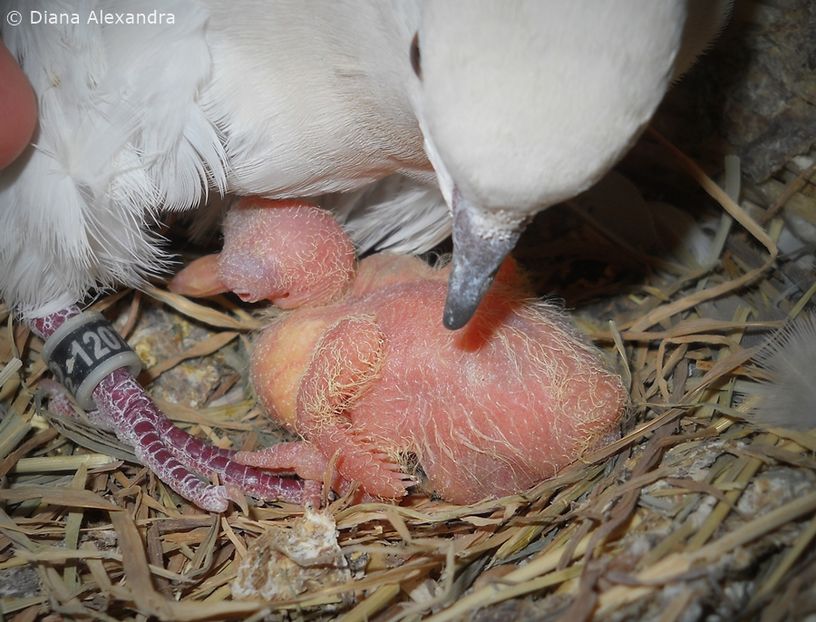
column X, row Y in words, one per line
column 479, row 247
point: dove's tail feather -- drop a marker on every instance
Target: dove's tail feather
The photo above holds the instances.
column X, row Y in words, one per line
column 115, row 144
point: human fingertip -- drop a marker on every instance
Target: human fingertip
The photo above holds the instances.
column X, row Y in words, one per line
column 18, row 109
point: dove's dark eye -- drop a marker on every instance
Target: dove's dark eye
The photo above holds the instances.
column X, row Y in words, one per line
column 415, row 56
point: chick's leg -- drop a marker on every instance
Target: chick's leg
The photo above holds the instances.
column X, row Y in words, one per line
column 175, row 456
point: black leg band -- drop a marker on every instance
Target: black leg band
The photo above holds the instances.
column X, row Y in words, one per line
column 84, row 350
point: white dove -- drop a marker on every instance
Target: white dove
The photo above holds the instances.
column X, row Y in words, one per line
column 507, row 107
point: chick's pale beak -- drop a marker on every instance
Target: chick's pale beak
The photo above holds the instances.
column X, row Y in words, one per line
column 480, row 244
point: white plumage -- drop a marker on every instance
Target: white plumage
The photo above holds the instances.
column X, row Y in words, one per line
column 115, row 145
column 787, row 398
column 517, row 107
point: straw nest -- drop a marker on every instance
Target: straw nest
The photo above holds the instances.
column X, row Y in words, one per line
column 705, row 506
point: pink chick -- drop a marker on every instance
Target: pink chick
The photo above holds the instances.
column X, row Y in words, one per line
column 363, row 369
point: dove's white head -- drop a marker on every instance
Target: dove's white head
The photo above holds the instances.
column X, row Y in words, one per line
column 524, row 104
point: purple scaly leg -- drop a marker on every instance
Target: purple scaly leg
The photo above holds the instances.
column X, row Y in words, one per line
column 168, row 451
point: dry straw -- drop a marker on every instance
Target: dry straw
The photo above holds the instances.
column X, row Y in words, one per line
column 693, row 510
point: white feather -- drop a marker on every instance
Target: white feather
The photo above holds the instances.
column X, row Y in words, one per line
column 397, row 214
column 788, row 397
column 311, row 95
column 114, row 146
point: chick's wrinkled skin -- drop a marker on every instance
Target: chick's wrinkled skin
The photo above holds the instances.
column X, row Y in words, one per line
column 372, row 380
